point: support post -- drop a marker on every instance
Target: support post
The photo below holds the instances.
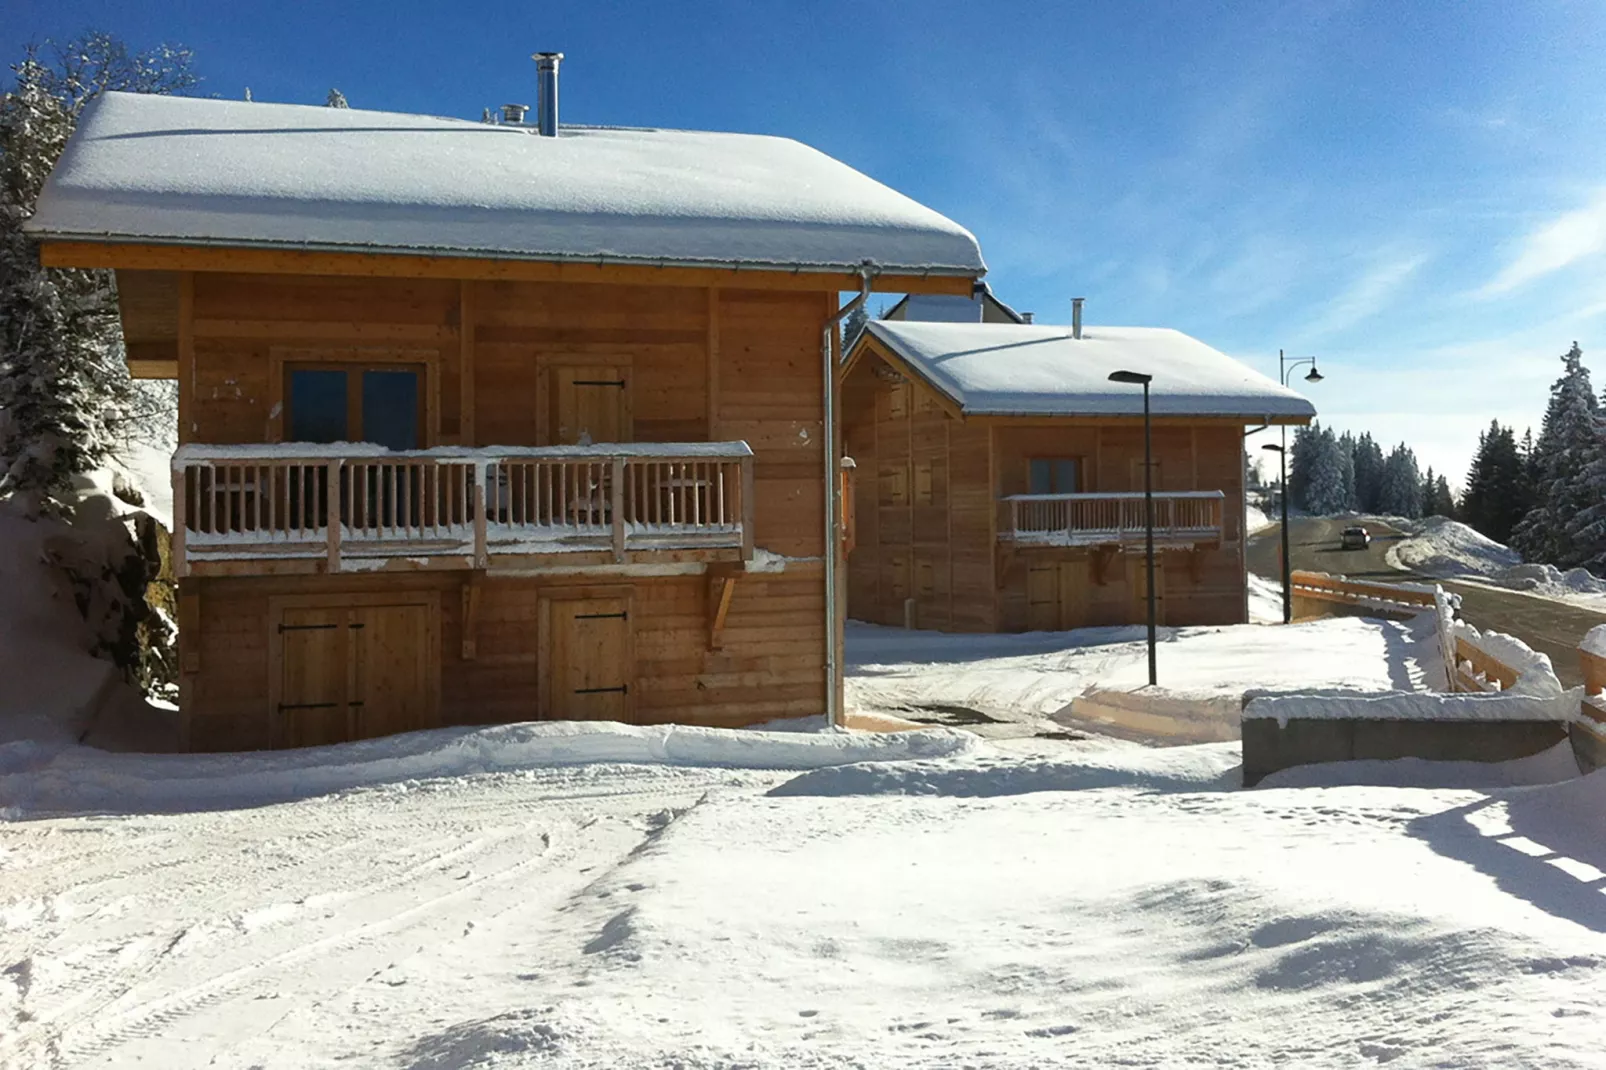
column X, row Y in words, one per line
column 748, row 508
column 179, row 552
column 616, row 507
column 331, row 513
column 482, row 555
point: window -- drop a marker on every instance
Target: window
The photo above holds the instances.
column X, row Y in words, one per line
column 1054, row 475
column 355, row 403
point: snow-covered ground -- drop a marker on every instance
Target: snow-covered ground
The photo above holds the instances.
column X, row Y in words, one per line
column 1065, row 904
column 1449, row 549
column 1203, row 672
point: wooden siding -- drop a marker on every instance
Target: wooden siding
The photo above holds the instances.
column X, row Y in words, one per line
column 732, row 363
column 769, row 666
column 927, row 500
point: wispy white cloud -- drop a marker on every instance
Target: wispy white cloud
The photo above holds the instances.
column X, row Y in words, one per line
column 1559, row 243
column 1369, row 293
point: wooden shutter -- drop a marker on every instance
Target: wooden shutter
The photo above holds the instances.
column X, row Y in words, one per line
column 590, row 403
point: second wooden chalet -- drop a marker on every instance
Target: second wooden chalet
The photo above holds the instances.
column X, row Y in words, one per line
column 998, row 475
column 487, row 423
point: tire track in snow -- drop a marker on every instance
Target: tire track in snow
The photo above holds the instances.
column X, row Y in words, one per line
column 152, row 1017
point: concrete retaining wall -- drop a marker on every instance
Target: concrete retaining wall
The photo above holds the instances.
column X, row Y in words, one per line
column 1588, row 747
column 1270, row 745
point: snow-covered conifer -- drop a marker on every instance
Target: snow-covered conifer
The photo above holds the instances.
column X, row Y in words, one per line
column 1568, row 443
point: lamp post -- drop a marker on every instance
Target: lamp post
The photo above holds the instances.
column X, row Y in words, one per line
column 1282, row 455
column 1285, row 368
column 1139, row 379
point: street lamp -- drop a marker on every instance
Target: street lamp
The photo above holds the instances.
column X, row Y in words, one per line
column 1288, row 605
column 1285, row 368
column 1139, row 379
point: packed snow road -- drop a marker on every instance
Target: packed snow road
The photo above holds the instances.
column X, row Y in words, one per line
column 1066, row 904
column 1550, row 627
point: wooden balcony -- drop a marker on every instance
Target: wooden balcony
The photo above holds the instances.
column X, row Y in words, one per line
column 1184, row 519
column 296, row 508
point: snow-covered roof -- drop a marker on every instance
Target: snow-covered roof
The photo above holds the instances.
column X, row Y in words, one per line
column 186, row 170
column 997, row 369
column 943, row 308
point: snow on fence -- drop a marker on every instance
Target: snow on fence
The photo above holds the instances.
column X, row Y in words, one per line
column 346, row 503
column 1589, row 728
column 1410, row 597
column 1504, row 699
column 1188, row 517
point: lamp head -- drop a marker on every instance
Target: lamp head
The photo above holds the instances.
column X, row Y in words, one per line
column 1273, row 447
column 1314, row 376
column 1134, row 378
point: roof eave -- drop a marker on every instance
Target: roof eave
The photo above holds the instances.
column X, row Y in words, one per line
column 807, row 268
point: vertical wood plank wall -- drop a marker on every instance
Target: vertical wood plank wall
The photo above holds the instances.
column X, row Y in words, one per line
column 945, row 557
column 733, row 363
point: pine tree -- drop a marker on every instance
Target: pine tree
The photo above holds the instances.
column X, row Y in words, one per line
column 1586, row 530
column 65, row 395
column 1442, row 501
column 1567, row 444
column 1430, row 486
column 336, row 99
column 1346, row 456
column 1368, row 465
column 852, row 325
column 1400, row 491
column 1496, row 495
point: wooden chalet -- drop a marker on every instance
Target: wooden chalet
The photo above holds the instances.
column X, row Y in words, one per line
column 488, row 422
column 997, row 479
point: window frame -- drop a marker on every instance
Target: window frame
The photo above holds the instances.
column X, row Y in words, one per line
column 354, row 370
column 1077, row 460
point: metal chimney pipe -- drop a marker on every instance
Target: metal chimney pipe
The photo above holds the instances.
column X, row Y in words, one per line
column 546, row 65
column 1076, row 316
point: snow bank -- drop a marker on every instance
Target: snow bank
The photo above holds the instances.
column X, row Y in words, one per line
column 1442, row 547
column 1594, row 641
column 1413, row 706
column 1265, row 600
column 38, row 778
column 1208, row 767
column 51, row 687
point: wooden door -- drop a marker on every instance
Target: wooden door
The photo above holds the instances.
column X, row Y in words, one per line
column 589, row 661
column 590, row 403
column 314, row 704
column 391, row 686
column 1042, row 597
column 1075, row 590
column 1057, row 595
column 1138, row 570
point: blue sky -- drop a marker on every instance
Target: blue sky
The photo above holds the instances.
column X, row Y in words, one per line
column 1413, row 191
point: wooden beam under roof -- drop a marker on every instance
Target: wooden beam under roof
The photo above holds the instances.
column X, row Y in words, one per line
column 158, row 257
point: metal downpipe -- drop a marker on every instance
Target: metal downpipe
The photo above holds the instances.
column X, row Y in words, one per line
column 833, row 493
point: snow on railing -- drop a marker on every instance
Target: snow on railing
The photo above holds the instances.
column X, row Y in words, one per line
column 274, row 501
column 1119, row 518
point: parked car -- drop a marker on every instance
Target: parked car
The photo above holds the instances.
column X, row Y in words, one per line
column 1356, row 538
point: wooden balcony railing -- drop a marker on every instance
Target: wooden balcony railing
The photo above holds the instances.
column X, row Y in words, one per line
column 1181, row 518
column 346, row 508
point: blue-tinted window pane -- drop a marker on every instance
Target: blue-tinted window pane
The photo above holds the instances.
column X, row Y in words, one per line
column 1041, row 478
column 317, row 406
column 1065, row 481
column 390, row 409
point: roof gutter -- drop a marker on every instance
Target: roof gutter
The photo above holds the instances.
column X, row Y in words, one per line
column 833, row 494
